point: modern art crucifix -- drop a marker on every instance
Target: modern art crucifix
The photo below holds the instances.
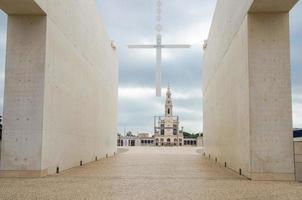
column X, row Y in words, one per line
column 158, row 47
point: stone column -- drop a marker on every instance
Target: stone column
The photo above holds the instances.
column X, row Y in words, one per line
column 60, row 69
column 298, row 159
column 247, row 89
column 271, row 132
column 23, row 96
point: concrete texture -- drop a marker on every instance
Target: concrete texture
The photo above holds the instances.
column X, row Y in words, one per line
column 24, row 93
column 149, row 173
column 247, row 90
column 298, row 159
column 60, row 102
column 21, row 7
column 271, row 137
column 272, row 5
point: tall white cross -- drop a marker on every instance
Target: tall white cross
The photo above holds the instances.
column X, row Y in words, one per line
column 158, row 46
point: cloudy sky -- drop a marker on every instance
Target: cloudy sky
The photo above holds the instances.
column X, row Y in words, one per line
column 132, row 22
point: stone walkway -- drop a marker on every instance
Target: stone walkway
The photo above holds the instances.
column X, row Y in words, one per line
column 149, row 173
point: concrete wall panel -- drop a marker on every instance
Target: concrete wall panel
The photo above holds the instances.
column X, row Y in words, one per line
column 247, row 95
column 298, row 159
column 227, row 20
column 270, row 93
column 21, row 7
column 272, row 5
column 79, row 80
column 226, row 107
column 24, row 93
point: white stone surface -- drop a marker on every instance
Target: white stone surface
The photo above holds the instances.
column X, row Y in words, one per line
column 247, row 92
column 298, row 160
column 146, row 173
column 24, row 93
column 271, row 135
column 19, row 7
column 74, row 81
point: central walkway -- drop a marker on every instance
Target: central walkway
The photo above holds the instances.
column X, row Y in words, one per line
column 149, row 173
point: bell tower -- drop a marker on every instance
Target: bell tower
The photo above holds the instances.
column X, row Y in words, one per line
column 168, row 105
column 166, row 128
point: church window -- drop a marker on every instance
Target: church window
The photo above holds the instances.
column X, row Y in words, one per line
column 168, row 110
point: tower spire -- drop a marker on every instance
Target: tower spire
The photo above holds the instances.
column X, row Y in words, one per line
column 168, row 105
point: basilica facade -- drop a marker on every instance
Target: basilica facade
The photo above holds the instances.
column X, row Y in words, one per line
column 166, row 128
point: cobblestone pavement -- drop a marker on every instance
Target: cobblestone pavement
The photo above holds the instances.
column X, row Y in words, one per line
column 149, row 173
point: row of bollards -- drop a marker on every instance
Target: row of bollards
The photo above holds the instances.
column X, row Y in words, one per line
column 81, row 162
column 225, row 163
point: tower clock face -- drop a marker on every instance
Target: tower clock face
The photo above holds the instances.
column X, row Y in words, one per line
column 169, row 122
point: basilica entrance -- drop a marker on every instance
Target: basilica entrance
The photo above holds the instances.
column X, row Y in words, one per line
column 168, row 142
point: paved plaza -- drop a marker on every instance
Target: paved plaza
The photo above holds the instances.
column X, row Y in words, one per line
column 149, row 173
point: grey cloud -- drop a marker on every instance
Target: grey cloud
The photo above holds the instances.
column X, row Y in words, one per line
column 133, row 21
column 182, row 72
column 296, row 47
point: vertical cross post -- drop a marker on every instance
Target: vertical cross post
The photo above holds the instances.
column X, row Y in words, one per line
column 158, row 46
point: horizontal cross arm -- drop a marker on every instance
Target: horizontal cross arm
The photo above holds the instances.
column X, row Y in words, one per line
column 176, row 46
column 142, row 46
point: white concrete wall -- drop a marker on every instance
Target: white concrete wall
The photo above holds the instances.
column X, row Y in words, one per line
column 226, row 107
column 24, row 93
column 271, row 132
column 247, row 109
column 298, row 158
column 78, row 111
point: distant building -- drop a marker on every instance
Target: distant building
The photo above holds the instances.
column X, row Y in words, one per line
column 166, row 128
column 141, row 135
column 146, row 140
column 126, row 141
column 190, row 141
column 0, row 128
column 297, row 133
column 142, row 139
column 166, row 131
column 194, row 141
column 200, row 141
column 0, row 134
